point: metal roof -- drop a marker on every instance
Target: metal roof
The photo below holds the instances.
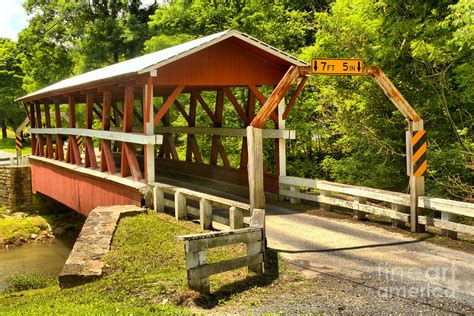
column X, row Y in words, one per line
column 149, row 62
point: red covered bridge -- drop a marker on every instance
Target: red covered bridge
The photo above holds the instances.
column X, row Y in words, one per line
column 145, row 102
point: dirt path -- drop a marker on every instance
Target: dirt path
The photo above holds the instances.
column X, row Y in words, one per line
column 368, row 268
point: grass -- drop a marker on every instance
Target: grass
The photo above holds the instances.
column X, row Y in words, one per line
column 145, row 273
column 22, row 282
column 13, row 229
column 8, row 144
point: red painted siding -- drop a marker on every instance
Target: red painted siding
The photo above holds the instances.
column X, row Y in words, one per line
column 78, row 191
column 227, row 63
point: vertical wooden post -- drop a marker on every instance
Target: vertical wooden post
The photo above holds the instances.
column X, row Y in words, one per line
column 179, row 205
column 255, row 167
column 398, row 208
column 59, row 140
column 158, row 199
column 417, row 184
column 281, row 141
column 33, row 125
column 90, row 159
column 450, row 218
column 148, row 129
column 357, row 214
column 236, row 218
column 39, row 124
column 253, row 249
column 205, row 213
column 73, row 155
column 217, row 123
column 107, row 162
column 250, row 112
column 294, row 200
column 325, row 206
column 191, row 122
column 129, row 162
column 49, row 137
column 196, row 259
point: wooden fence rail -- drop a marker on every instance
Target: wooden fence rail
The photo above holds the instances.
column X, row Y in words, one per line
column 237, row 210
column 15, row 161
column 389, row 204
column 196, row 246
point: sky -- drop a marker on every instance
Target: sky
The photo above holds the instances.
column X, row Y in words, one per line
column 13, row 17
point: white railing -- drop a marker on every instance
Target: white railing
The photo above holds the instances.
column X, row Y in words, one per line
column 394, row 205
column 237, row 210
column 15, row 161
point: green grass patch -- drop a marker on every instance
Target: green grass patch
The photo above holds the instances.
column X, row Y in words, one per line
column 145, row 273
column 22, row 282
column 8, row 145
column 13, row 228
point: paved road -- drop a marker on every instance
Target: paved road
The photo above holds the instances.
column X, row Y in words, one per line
column 364, row 263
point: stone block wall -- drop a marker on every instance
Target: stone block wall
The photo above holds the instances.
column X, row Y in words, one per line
column 15, row 186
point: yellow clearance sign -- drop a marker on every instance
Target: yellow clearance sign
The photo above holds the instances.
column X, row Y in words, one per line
column 336, row 66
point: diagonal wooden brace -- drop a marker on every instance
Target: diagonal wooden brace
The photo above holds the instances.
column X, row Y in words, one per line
column 277, row 95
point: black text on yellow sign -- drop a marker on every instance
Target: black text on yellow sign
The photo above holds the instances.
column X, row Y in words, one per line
column 18, row 142
column 418, row 142
column 334, row 66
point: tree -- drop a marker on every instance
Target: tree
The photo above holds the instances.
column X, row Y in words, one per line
column 10, row 85
column 421, row 45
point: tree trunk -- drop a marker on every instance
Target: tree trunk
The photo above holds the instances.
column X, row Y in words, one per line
column 4, row 129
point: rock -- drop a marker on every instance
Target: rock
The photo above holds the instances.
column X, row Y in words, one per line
column 58, row 231
column 19, row 215
column 33, row 236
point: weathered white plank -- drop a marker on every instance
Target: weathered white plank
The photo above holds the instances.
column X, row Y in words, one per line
column 439, row 223
column 226, row 265
column 222, row 131
column 241, row 231
column 195, row 195
column 348, row 204
column 370, row 193
column 448, row 206
column 102, row 134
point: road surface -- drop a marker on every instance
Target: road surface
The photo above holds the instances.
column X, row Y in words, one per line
column 369, row 268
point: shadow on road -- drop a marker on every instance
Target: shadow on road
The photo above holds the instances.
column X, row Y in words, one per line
column 399, row 243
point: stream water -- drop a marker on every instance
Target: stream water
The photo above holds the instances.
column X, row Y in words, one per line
column 45, row 258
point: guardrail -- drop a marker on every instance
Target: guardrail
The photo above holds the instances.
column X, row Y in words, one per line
column 237, row 210
column 196, row 246
column 15, row 161
column 128, row 163
column 394, row 205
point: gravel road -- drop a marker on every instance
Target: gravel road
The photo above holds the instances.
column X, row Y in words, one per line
column 366, row 268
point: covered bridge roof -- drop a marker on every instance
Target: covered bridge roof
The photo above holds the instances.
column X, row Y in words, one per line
column 144, row 64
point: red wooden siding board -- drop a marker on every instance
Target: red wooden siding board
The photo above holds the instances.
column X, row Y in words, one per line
column 78, row 191
column 224, row 64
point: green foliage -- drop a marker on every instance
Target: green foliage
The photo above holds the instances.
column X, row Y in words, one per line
column 347, row 129
column 15, row 228
column 11, row 77
column 22, row 282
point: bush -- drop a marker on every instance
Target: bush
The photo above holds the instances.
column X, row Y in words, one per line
column 22, row 282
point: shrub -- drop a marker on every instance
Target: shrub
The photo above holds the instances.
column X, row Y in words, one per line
column 22, row 282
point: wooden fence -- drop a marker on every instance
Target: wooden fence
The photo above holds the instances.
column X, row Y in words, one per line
column 15, row 161
column 389, row 204
column 196, row 246
column 205, row 213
